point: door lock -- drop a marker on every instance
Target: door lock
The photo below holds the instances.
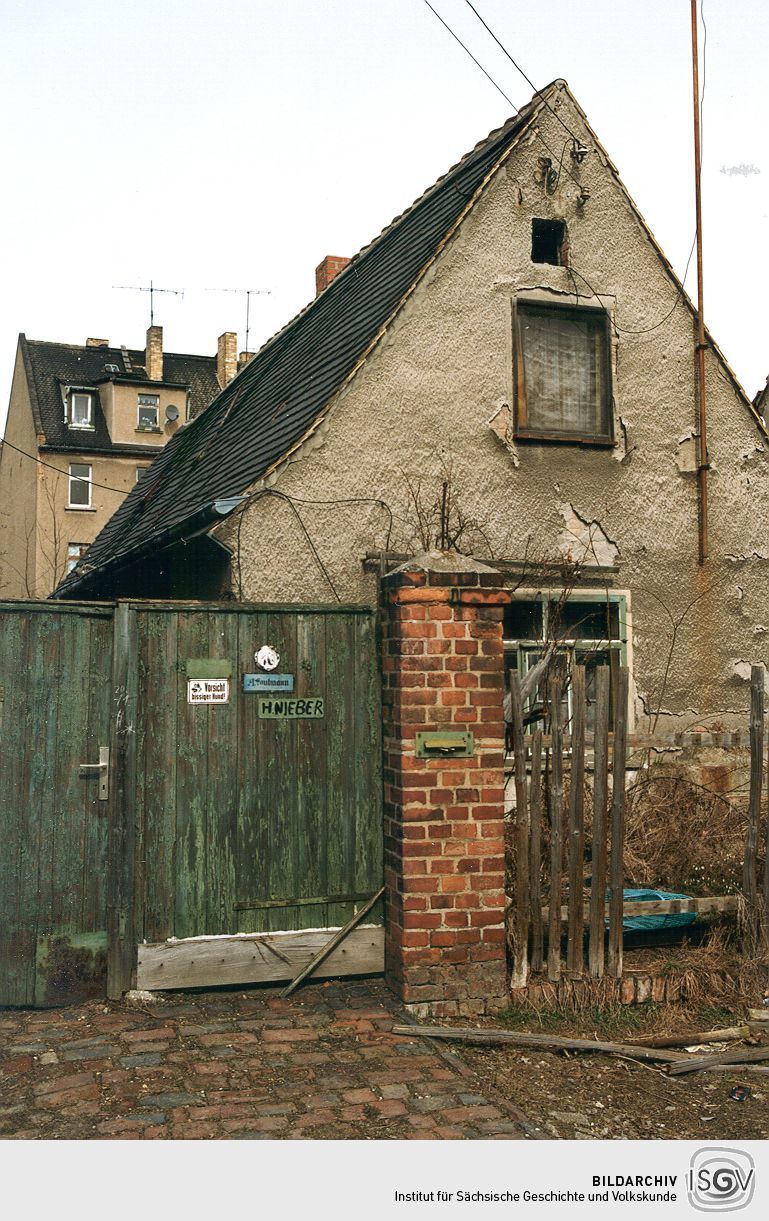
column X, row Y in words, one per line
column 102, row 767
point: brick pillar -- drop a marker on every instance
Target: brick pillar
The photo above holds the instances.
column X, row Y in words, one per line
column 444, row 833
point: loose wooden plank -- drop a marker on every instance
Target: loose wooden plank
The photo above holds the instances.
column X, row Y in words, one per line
column 693, row 1038
column 327, row 949
column 257, row 958
column 616, row 865
column 756, row 778
column 576, row 845
column 556, row 816
column 693, row 1063
column 468, row 1034
column 520, row 931
column 535, row 855
column 658, row 907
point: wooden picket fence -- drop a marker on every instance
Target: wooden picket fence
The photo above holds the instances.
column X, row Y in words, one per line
column 540, row 762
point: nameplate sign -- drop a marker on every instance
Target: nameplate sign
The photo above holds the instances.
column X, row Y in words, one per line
column 277, row 708
column 266, row 684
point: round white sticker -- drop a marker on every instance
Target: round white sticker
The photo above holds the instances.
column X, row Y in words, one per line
column 267, row 657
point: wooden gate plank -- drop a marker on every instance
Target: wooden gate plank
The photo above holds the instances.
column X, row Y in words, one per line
column 93, row 917
column 367, row 761
column 310, row 771
column 257, row 958
column 222, row 786
column 340, row 771
column 16, row 944
column 192, row 780
column 121, row 913
column 157, row 813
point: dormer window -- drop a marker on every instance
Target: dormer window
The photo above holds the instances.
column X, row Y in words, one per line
column 149, row 407
column 80, row 409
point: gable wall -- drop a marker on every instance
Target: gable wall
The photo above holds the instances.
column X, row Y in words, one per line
column 445, row 368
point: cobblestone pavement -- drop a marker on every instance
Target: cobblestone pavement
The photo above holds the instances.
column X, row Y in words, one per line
column 233, row 1065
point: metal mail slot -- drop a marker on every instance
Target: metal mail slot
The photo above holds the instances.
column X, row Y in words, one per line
column 448, row 745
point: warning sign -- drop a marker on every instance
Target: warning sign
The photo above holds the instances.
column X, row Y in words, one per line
column 208, row 691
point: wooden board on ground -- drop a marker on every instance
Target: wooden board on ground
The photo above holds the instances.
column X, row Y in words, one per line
column 208, row 962
column 692, row 1063
column 469, row 1034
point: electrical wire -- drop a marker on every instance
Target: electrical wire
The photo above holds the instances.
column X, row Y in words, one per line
column 518, row 68
column 292, row 502
column 488, row 76
column 617, row 329
column 77, row 478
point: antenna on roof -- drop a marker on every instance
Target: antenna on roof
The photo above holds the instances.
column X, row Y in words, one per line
column 151, row 289
column 249, row 292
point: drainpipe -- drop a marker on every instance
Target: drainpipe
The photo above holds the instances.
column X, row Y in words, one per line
column 703, row 465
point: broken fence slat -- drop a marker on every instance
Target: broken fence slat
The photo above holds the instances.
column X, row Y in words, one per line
column 658, row 907
column 520, row 930
column 692, row 1063
column 516, row 1038
column 596, row 949
column 330, row 945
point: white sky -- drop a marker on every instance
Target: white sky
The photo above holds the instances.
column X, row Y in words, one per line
column 233, row 145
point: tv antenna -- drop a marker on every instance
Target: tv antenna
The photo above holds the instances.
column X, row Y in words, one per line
column 151, row 289
column 249, row 293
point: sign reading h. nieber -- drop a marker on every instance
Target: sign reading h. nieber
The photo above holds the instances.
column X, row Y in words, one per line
column 208, row 691
column 274, row 707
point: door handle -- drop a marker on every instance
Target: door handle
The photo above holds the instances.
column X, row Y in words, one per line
column 102, row 767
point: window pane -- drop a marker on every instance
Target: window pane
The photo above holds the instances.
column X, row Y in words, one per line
column 81, row 410
column 79, row 492
column 564, row 358
column 585, row 620
column 523, row 621
column 148, row 410
column 75, row 552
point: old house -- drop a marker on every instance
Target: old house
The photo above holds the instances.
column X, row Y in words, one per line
column 84, row 423
column 508, row 369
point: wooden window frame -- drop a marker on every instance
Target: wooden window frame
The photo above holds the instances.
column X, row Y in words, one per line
column 522, row 430
column 86, row 479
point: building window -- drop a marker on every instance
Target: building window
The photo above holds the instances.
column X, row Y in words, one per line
column 80, row 409
column 563, row 373
column 549, row 242
column 148, row 412
column 79, row 486
column 589, row 629
column 75, row 553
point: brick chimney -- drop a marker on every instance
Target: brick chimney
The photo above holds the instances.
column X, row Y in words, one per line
column 244, row 358
column 226, row 357
column 97, row 343
column 325, row 272
column 153, row 356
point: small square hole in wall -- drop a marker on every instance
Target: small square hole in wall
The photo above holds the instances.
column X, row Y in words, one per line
column 549, row 242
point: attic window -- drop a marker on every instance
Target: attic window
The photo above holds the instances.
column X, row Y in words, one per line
column 80, row 409
column 147, row 419
column 562, row 374
column 549, row 242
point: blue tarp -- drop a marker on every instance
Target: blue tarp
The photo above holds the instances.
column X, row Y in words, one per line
column 663, row 920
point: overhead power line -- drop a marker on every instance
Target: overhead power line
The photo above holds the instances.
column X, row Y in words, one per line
column 59, row 471
column 680, row 291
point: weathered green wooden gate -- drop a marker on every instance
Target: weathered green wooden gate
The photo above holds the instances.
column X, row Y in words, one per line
column 55, row 696
column 221, row 821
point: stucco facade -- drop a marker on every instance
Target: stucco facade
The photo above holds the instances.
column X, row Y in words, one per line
column 437, row 390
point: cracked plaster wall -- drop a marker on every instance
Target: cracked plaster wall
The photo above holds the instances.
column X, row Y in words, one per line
column 442, row 382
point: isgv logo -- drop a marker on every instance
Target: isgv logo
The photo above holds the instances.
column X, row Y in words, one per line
column 720, row 1180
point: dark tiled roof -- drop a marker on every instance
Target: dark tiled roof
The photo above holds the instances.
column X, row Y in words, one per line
column 283, row 390
column 49, row 366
